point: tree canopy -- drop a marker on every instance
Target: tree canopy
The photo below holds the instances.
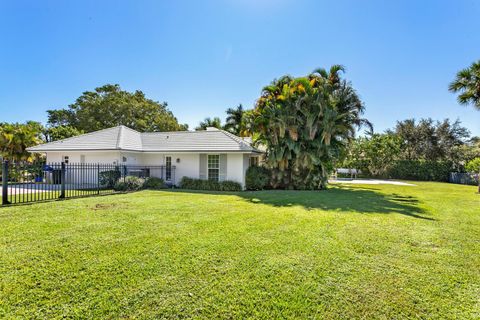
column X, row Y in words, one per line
column 430, row 140
column 15, row 138
column 60, row 132
column 467, row 85
column 305, row 124
column 373, row 154
column 110, row 106
column 209, row 122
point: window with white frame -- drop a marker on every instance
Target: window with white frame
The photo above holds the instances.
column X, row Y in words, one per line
column 253, row 161
column 213, row 167
column 66, row 159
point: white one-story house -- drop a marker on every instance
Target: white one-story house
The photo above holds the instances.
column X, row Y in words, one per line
column 212, row 154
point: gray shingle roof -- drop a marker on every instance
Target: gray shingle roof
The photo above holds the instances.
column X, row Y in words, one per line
column 124, row 138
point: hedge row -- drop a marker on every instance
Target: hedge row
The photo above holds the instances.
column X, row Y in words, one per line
column 420, row 170
column 198, row 184
column 132, row 183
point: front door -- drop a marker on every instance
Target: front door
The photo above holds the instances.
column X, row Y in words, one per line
column 168, row 168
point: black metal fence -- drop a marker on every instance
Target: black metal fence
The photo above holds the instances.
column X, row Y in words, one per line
column 464, row 178
column 27, row 182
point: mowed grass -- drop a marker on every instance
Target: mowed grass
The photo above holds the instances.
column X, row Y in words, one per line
column 349, row 252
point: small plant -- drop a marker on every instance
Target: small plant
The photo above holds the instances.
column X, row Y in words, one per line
column 257, row 178
column 154, row 183
column 130, row 183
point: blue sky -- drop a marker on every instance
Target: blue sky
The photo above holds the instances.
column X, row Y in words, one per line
column 205, row 56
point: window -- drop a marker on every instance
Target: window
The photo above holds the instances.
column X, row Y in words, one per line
column 168, row 168
column 124, row 159
column 66, row 159
column 82, row 158
column 253, row 161
column 213, row 167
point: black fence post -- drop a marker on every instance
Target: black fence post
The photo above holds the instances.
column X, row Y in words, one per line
column 5, row 183
column 98, row 178
column 62, row 181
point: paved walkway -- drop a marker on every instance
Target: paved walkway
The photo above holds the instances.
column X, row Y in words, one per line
column 370, row 181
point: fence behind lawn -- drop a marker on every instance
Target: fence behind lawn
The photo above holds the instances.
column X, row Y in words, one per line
column 27, row 182
column 464, row 178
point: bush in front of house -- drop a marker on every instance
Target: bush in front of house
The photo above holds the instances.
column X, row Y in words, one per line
column 130, row 183
column 199, row 184
column 228, row 185
column 109, row 178
column 257, row 178
column 154, row 183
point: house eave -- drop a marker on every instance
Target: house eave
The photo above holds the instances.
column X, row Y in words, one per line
column 143, row 151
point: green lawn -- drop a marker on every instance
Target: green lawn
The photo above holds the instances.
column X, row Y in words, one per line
column 349, row 252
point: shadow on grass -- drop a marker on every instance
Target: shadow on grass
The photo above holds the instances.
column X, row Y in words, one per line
column 339, row 198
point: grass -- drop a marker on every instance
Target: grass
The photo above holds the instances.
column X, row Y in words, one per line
column 349, row 252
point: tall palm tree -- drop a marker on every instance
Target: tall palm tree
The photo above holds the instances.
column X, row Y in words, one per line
column 235, row 120
column 209, row 122
column 467, row 83
column 305, row 124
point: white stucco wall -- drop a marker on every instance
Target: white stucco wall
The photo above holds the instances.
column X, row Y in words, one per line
column 90, row 157
column 235, row 168
column 188, row 164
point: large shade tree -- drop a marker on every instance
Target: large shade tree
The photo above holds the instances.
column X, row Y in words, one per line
column 305, row 124
column 109, row 106
column 373, row 154
column 431, row 140
column 467, row 85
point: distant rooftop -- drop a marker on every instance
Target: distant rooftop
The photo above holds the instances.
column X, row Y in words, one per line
column 124, row 138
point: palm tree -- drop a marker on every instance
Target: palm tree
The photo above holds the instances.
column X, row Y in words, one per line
column 467, row 82
column 209, row 122
column 15, row 139
column 235, row 121
column 306, row 124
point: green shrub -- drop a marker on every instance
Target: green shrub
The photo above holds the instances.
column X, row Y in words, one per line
column 473, row 166
column 109, row 178
column 198, row 184
column 154, row 183
column 130, row 183
column 420, row 170
column 257, row 178
column 228, row 185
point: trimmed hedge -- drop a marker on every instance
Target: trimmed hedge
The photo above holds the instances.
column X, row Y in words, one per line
column 198, row 184
column 154, row 183
column 130, row 183
column 257, row 178
column 109, row 178
column 420, row 170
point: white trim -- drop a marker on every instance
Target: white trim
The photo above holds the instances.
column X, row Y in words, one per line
column 218, row 155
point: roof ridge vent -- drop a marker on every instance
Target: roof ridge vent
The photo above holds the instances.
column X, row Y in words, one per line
column 211, row 129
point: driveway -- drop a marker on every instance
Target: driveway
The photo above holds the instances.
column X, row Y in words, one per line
column 370, row 181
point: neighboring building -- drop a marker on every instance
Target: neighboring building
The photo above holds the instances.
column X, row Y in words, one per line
column 211, row 154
